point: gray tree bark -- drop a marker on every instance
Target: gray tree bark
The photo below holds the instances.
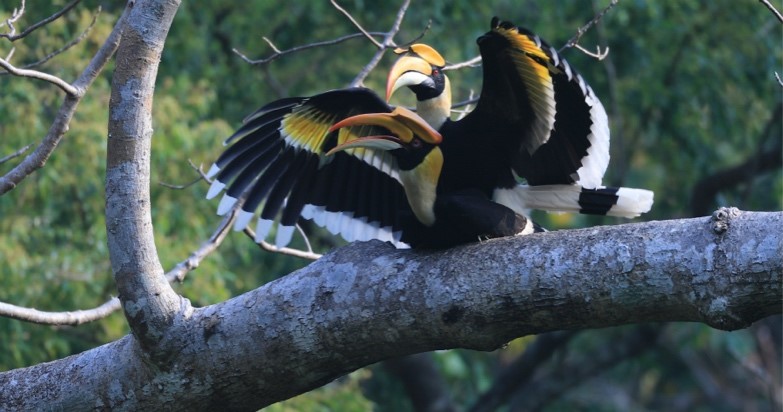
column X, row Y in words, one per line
column 368, row 301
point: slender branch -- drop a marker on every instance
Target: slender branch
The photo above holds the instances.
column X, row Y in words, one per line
column 282, row 250
column 474, row 62
column 178, row 272
column 15, row 154
column 59, row 127
column 15, row 16
column 358, row 26
column 63, row 49
column 387, row 42
column 180, row 187
column 34, row 74
column 41, row 23
column 76, row 317
column 773, row 10
column 280, row 53
column 582, row 30
column 780, row 82
column 465, row 102
column 598, row 55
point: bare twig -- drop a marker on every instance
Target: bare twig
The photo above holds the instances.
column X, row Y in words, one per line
column 306, row 239
column 358, row 26
column 279, row 53
column 14, row 154
column 582, row 30
column 780, row 82
column 387, row 42
column 76, row 317
column 420, row 35
column 178, row 272
column 474, row 62
column 63, row 49
column 464, row 103
column 63, row 118
column 599, row 55
column 773, row 10
column 180, row 187
column 464, row 112
column 282, row 250
column 44, row 22
column 34, row 74
column 15, row 16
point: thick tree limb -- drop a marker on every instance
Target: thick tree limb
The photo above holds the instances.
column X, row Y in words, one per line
column 149, row 302
column 368, row 302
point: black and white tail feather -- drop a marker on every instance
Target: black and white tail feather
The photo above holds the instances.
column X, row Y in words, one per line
column 609, row 201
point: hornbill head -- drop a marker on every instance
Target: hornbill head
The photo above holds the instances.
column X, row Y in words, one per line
column 414, row 144
column 421, row 69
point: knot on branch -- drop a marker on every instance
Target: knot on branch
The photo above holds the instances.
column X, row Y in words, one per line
column 721, row 219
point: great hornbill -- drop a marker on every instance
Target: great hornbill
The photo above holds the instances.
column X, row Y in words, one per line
column 536, row 106
column 389, row 174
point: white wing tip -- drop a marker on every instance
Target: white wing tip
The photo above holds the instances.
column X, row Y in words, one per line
column 226, row 203
column 215, row 188
column 262, row 229
column 213, row 170
column 284, row 235
column 243, row 219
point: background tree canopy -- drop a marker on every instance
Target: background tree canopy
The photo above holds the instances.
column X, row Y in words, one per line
column 689, row 88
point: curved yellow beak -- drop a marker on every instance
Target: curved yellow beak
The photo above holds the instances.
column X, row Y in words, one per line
column 403, row 124
column 407, row 71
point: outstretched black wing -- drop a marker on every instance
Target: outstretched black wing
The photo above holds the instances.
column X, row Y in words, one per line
column 541, row 108
column 278, row 167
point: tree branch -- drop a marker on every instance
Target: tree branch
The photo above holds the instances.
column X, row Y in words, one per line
column 64, row 48
column 15, row 154
column 388, row 41
column 59, row 127
column 368, row 302
column 582, row 30
column 13, row 37
column 78, row 317
column 358, row 26
column 34, row 74
column 772, row 9
column 280, row 53
column 149, row 302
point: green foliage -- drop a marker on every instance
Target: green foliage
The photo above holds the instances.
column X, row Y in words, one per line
column 688, row 87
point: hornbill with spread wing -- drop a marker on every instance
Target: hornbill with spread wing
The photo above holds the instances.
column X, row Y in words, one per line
column 536, row 106
column 364, row 169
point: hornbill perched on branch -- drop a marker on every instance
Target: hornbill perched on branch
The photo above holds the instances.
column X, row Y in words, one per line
column 364, row 169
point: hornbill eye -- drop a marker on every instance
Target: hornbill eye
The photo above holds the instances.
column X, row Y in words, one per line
column 416, row 143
